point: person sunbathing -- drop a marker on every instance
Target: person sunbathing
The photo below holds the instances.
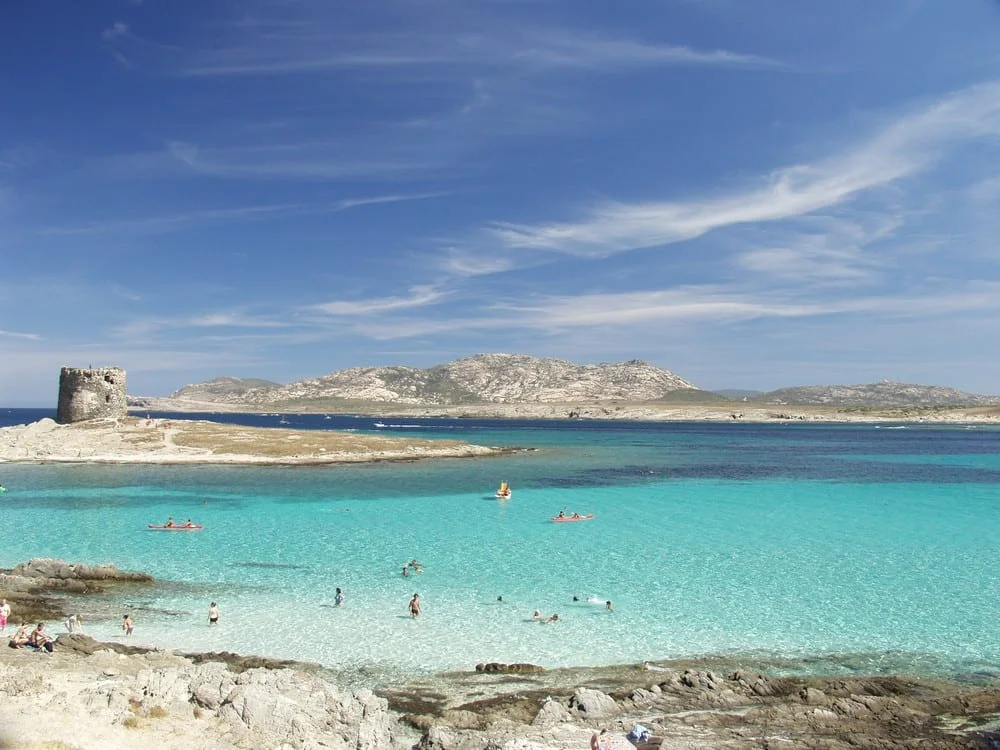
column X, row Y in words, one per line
column 21, row 636
column 40, row 639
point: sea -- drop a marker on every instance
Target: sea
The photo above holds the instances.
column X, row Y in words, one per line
column 824, row 548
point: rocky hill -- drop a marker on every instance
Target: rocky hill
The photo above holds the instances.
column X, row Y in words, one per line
column 484, row 378
column 223, row 387
column 884, row 394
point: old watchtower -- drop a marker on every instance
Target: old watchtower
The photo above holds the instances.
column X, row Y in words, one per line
column 86, row 393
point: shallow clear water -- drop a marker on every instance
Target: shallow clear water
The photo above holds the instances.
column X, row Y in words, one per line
column 789, row 541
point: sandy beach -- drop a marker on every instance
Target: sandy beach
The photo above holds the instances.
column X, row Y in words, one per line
column 181, row 441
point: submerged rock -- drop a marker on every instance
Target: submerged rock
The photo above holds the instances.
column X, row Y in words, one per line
column 497, row 667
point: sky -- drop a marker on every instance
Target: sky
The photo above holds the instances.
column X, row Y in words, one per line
column 749, row 193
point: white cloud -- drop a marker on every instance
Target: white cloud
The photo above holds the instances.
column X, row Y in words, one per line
column 17, row 335
column 594, row 52
column 116, row 31
column 182, row 221
column 380, row 199
column 903, row 149
column 420, row 296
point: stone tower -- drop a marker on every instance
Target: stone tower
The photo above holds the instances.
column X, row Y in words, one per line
column 86, row 393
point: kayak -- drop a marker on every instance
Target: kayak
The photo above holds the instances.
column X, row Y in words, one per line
column 574, row 517
column 193, row 527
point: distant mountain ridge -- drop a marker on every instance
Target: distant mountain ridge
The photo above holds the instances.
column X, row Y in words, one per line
column 521, row 379
column 483, row 378
column 886, row 393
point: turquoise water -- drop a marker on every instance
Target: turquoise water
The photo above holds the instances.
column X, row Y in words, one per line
column 779, row 541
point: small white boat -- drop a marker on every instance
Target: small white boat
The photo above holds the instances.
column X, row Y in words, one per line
column 379, row 424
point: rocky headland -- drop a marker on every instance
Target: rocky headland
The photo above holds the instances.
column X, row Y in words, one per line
column 108, row 695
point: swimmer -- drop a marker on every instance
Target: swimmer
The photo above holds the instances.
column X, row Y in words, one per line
column 608, row 607
column 554, row 618
column 537, row 615
column 406, row 571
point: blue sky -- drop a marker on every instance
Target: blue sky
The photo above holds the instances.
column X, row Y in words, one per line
column 750, row 193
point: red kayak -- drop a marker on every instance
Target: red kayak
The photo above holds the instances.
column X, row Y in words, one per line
column 574, row 517
column 191, row 527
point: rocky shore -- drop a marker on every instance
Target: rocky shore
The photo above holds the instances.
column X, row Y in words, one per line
column 182, row 441
column 107, row 695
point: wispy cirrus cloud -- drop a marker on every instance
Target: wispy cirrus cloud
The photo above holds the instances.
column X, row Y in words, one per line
column 181, row 221
column 19, row 335
column 420, row 296
column 559, row 49
column 905, row 148
column 319, row 40
column 117, row 30
column 693, row 305
column 142, row 328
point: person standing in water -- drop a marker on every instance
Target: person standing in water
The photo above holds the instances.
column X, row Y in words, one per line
column 415, row 606
column 127, row 625
column 4, row 614
column 338, row 600
column 213, row 614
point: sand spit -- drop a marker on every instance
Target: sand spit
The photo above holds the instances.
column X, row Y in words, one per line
column 644, row 412
column 182, row 441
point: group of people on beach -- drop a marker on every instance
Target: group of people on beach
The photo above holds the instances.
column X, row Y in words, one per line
column 37, row 639
column 128, row 624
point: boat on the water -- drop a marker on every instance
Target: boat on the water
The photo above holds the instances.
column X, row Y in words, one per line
column 175, row 527
column 504, row 492
column 569, row 518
